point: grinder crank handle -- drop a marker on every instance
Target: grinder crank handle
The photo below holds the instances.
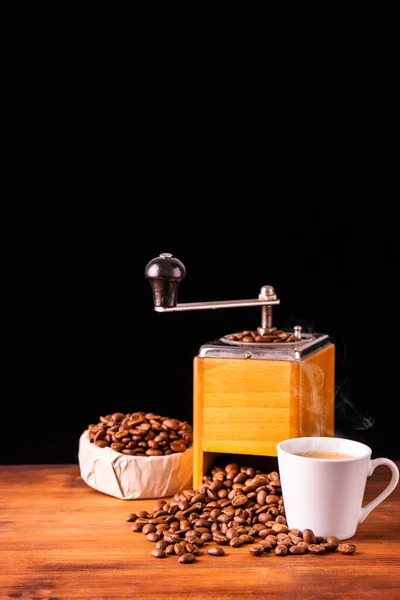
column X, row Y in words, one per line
column 165, row 274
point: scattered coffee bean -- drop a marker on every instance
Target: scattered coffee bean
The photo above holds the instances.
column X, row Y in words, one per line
column 256, row 549
column 187, row 558
column 131, row 517
column 347, row 548
column 158, row 553
column 227, row 509
column 216, row 551
column 316, row 548
column 297, row 549
column 309, row 537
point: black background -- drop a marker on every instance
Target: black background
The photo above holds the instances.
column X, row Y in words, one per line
column 252, row 168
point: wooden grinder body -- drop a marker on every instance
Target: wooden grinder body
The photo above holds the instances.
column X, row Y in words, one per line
column 246, row 406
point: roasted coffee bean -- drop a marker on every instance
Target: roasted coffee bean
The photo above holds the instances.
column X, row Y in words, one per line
column 154, row 537
column 298, row 549
column 172, row 538
column 239, row 500
column 142, row 514
column 347, row 548
column 180, row 548
column 316, row 549
column 247, row 539
column 170, row 549
column 329, row 547
column 309, row 537
column 331, row 539
column 282, row 550
column 138, row 527
column 207, row 537
column 162, row 545
column 158, row 553
column 296, row 532
column 280, row 519
column 153, row 452
column 131, row 517
column 117, row 446
column 220, row 539
column 303, row 545
column 178, row 446
column 256, row 549
column 216, row 551
column 148, row 528
column 295, row 539
column 192, row 548
column 279, row 528
column 235, row 542
column 187, row 558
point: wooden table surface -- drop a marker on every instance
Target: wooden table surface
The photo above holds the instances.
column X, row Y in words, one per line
column 61, row 539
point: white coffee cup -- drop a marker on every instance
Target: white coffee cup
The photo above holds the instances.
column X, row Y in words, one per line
column 325, row 494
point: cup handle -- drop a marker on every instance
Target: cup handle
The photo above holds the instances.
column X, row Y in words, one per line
column 364, row 512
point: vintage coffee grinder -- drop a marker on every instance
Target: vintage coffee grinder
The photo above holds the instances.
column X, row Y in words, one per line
column 251, row 389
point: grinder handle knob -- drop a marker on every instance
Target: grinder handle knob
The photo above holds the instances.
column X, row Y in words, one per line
column 165, row 274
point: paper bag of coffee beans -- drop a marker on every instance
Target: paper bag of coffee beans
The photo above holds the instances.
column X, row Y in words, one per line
column 137, row 455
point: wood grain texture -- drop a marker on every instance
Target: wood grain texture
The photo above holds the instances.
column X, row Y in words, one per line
column 62, row 540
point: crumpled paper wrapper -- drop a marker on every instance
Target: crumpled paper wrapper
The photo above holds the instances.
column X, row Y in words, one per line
column 132, row 477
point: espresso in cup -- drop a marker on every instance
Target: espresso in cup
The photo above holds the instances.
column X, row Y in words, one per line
column 323, row 481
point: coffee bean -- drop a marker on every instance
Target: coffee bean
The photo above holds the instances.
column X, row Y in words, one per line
column 247, row 539
column 331, row 539
column 329, row 547
column 193, row 548
column 281, row 550
column 303, row 545
column 131, row 517
column 148, row 528
column 220, row 539
column 297, row 549
column 142, row 514
column 158, row 553
column 216, row 551
column 279, row 528
column 239, row 500
column 295, row 539
column 235, row 542
column 316, row 549
column 180, row 548
column 187, row 558
column 162, row 545
column 256, row 549
column 153, row 537
column 309, row 537
column 347, row 548
column 170, row 549
column 137, row 527
column 117, row 446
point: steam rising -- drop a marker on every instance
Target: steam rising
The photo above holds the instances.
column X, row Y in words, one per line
column 347, row 411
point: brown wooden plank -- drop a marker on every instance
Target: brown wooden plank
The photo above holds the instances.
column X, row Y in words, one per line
column 61, row 539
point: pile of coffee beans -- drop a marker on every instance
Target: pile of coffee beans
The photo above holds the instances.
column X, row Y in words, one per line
column 141, row 434
column 232, row 507
column 252, row 337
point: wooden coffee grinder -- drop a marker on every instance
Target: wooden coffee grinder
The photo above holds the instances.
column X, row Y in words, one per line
column 251, row 389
